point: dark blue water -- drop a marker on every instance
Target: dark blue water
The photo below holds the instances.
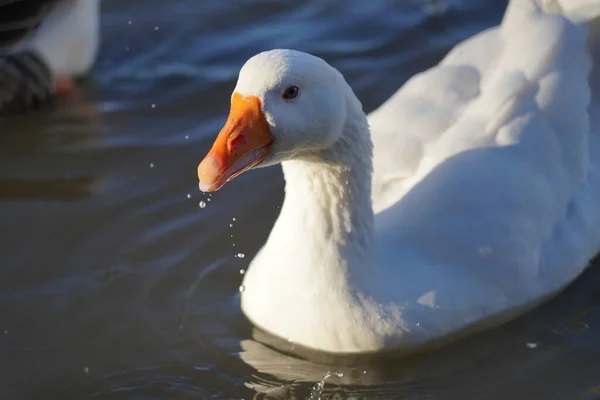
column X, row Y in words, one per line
column 115, row 284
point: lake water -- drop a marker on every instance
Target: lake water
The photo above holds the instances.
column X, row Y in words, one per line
column 115, row 284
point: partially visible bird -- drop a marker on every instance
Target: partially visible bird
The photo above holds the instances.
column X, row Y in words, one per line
column 44, row 45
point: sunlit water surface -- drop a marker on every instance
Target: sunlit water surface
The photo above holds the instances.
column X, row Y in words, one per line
column 116, row 284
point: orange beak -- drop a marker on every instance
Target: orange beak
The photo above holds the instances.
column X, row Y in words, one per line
column 244, row 141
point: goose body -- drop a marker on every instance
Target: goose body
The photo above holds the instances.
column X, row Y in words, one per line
column 469, row 197
column 44, row 44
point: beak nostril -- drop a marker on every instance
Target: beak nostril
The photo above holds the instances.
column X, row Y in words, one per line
column 235, row 141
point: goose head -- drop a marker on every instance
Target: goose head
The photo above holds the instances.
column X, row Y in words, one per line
column 286, row 105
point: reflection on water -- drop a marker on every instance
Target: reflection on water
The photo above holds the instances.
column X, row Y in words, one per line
column 116, row 284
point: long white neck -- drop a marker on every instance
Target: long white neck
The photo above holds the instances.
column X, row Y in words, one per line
column 321, row 253
column 327, row 216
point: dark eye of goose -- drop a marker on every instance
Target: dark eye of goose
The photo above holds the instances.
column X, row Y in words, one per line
column 290, row 92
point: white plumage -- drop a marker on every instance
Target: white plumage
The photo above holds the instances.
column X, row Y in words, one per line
column 484, row 198
column 44, row 46
column 68, row 37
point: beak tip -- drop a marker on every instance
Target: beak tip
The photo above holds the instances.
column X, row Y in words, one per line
column 209, row 167
column 208, row 173
column 205, row 188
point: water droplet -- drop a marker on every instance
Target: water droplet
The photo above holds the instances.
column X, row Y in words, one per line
column 317, row 390
column 181, row 327
column 241, row 255
column 153, row 105
column 86, row 370
column 233, row 245
column 6, row 331
column 129, row 22
column 233, row 219
column 126, row 48
column 242, row 271
column 364, row 371
column 189, row 196
column 231, row 236
column 231, row 225
column 242, row 288
column 187, row 136
column 532, row 345
column 435, row 8
column 151, row 165
column 485, row 251
column 338, row 373
column 156, row 28
column 208, row 199
column 202, row 204
column 418, row 324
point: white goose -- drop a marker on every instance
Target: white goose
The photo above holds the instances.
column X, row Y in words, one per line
column 481, row 200
column 44, row 62
column 68, row 38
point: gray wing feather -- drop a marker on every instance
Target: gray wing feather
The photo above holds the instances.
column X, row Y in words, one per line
column 25, row 82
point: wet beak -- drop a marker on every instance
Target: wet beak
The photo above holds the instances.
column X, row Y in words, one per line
column 244, row 141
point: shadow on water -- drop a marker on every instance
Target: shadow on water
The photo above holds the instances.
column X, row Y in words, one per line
column 116, row 284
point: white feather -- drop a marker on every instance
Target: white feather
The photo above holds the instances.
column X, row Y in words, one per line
column 485, row 193
column 578, row 11
column 68, row 37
